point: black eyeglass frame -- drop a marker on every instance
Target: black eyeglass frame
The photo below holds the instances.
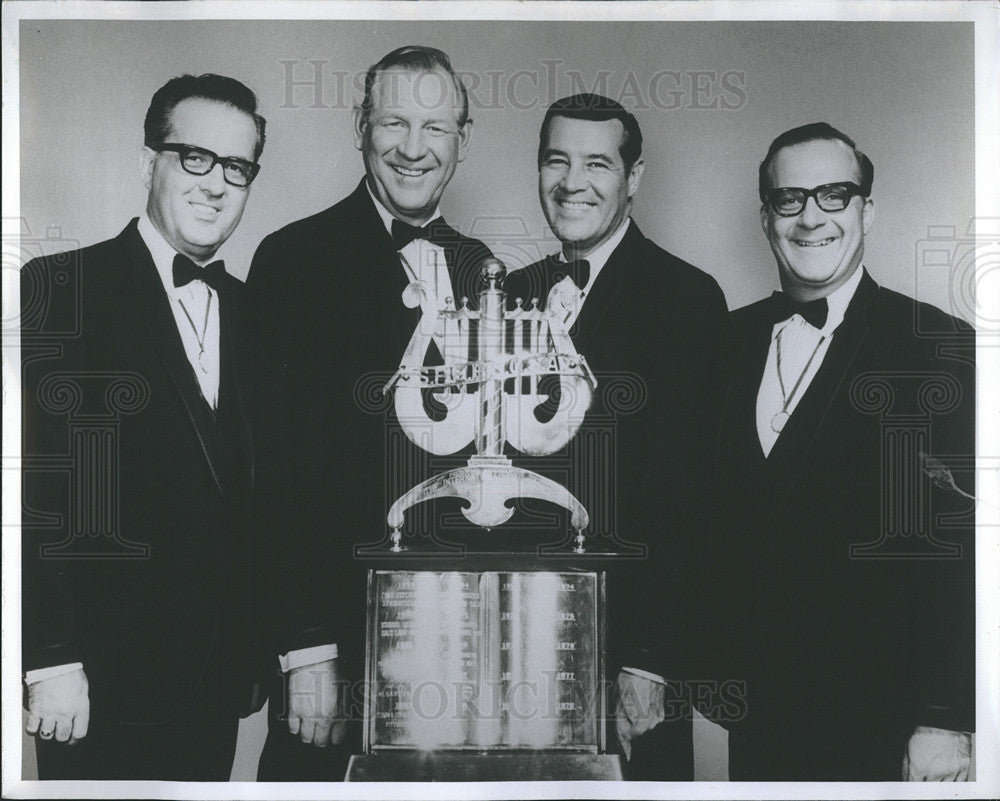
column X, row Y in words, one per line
column 853, row 190
column 184, row 150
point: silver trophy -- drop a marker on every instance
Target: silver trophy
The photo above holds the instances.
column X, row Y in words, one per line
column 493, row 668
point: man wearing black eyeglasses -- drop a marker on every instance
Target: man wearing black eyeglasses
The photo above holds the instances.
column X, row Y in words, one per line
column 139, row 580
column 839, row 562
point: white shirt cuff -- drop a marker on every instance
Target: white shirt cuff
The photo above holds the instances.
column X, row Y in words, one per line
column 34, row 676
column 645, row 674
column 307, row 656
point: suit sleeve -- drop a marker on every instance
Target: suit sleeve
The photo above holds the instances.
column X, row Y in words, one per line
column 297, row 561
column 670, row 578
column 51, row 634
column 943, row 595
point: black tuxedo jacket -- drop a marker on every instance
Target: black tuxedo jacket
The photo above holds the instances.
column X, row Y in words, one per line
column 138, row 489
column 845, row 639
column 651, row 330
column 328, row 329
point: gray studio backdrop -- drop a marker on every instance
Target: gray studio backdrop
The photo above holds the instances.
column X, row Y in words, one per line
column 709, row 98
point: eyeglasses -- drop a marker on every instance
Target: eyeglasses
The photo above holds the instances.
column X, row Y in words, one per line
column 199, row 161
column 788, row 201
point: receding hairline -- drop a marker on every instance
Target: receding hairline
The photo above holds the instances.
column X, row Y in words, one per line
column 172, row 112
column 213, row 101
column 451, row 80
column 850, row 151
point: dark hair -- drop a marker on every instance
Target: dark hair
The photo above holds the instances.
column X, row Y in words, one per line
column 810, row 133
column 207, row 87
column 595, row 108
column 413, row 58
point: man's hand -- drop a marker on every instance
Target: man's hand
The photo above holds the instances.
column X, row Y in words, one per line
column 59, row 707
column 314, row 708
column 938, row 755
column 638, row 708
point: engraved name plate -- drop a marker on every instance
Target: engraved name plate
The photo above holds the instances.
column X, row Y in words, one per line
column 484, row 660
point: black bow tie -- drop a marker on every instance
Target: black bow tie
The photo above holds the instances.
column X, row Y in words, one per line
column 813, row 312
column 186, row 271
column 578, row 270
column 435, row 232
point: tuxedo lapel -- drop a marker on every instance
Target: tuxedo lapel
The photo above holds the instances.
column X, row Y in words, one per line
column 738, row 427
column 372, row 233
column 231, row 393
column 379, row 278
column 140, row 275
column 616, row 272
column 804, row 426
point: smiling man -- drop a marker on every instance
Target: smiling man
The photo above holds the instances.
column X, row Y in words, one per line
column 138, row 643
column 840, row 573
column 650, row 324
column 335, row 303
column 589, row 169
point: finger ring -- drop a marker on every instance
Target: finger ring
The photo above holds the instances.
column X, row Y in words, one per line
column 45, row 735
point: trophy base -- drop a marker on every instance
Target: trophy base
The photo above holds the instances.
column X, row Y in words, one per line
column 431, row 766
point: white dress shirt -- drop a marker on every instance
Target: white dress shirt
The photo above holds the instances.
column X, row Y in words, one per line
column 566, row 295
column 802, row 349
column 196, row 312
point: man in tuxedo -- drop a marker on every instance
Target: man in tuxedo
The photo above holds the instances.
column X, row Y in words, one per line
column 334, row 301
column 648, row 324
column 139, row 582
column 840, row 552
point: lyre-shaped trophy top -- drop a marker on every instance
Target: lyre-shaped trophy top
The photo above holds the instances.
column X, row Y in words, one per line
column 486, row 349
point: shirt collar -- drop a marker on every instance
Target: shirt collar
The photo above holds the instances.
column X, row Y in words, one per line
column 162, row 251
column 599, row 257
column 387, row 216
